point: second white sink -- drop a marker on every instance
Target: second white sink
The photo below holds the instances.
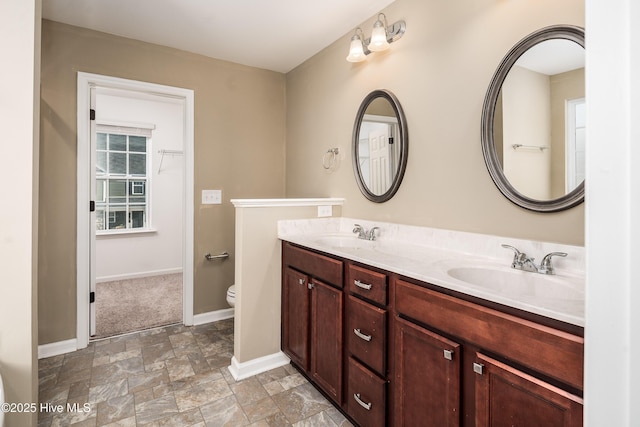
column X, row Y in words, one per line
column 519, row 284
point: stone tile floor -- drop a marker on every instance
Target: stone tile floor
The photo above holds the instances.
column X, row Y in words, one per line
column 173, row 376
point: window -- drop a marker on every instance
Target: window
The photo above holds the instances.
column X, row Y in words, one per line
column 122, row 179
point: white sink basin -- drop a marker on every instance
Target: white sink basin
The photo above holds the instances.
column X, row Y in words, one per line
column 517, row 284
column 343, row 241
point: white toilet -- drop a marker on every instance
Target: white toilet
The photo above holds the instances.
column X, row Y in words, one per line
column 231, row 295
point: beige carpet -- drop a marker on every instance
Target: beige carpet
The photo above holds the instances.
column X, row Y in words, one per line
column 124, row 306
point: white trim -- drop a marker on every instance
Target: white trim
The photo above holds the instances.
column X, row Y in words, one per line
column 213, row 316
column 139, row 275
column 243, row 370
column 120, row 125
column 57, row 348
column 263, row 203
column 85, row 82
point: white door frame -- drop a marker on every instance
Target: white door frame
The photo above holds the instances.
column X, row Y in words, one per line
column 85, row 82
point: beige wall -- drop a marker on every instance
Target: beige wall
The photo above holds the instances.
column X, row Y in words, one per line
column 440, row 71
column 19, row 110
column 239, row 148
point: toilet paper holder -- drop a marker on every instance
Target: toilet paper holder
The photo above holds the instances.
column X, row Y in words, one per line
column 223, row 255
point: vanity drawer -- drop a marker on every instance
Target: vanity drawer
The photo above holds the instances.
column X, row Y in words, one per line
column 541, row 348
column 368, row 284
column 367, row 332
column 366, row 396
column 314, row 264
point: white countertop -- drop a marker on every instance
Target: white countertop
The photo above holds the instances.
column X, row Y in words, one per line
column 455, row 260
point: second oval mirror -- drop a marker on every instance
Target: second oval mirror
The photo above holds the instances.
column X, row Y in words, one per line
column 533, row 123
column 379, row 146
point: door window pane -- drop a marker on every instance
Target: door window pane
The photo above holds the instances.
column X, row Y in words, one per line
column 101, row 163
column 138, row 144
column 138, row 216
column 117, row 218
column 117, row 142
column 118, row 163
column 101, row 141
column 138, row 164
column 117, row 191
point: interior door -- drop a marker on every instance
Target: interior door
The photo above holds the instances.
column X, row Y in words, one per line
column 92, row 213
column 379, row 159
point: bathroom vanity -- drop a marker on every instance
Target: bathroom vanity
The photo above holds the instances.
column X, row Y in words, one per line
column 390, row 349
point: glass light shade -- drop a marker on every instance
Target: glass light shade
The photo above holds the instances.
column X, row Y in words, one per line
column 356, row 51
column 378, row 37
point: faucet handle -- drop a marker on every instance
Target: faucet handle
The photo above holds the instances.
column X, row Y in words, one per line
column 518, row 257
column 546, row 267
column 372, row 233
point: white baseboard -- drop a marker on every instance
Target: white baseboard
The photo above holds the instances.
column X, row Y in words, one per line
column 240, row 371
column 57, row 348
column 128, row 276
column 213, row 316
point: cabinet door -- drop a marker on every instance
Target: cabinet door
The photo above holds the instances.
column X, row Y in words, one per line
column 295, row 317
column 506, row 396
column 326, row 338
column 426, row 377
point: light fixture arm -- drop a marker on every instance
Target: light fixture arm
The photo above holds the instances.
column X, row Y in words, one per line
column 364, row 42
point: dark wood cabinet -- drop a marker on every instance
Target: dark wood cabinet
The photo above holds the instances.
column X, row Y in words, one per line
column 295, row 317
column 426, row 377
column 516, row 390
column 506, row 396
column 395, row 351
column 326, row 338
column 312, row 317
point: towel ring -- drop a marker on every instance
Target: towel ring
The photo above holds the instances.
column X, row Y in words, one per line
column 330, row 158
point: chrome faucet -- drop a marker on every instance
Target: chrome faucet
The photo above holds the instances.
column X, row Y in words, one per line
column 372, row 233
column 522, row 262
column 364, row 234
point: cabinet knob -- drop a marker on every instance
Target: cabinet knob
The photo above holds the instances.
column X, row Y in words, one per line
column 448, row 354
column 478, row 368
column 365, row 405
column 361, row 335
column 362, row 285
column 301, row 281
column 310, row 285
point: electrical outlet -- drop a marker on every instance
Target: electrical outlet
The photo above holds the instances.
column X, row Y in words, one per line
column 211, row 197
column 325, row 211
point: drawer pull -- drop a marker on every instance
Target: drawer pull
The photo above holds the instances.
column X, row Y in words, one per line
column 361, row 335
column 366, row 406
column 448, row 354
column 362, row 285
column 478, row 368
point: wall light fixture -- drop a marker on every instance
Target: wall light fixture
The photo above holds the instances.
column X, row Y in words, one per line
column 381, row 36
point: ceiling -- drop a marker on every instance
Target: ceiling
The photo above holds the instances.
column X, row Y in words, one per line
column 276, row 35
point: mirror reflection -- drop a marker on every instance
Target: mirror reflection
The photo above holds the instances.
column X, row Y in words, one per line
column 378, row 155
column 379, row 146
column 539, row 123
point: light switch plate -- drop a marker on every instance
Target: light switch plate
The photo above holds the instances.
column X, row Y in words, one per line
column 211, row 197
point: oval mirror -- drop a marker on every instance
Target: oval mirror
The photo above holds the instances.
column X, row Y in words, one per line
column 533, row 121
column 380, row 144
